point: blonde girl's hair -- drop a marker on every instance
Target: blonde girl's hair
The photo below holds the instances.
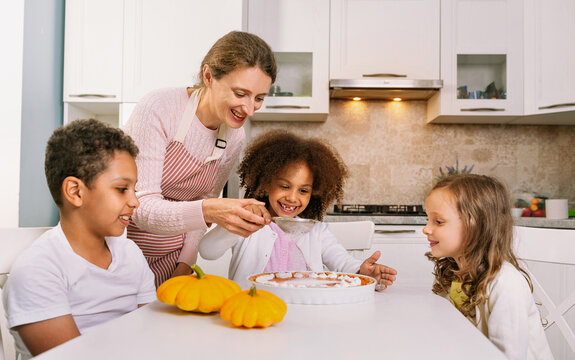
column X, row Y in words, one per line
column 235, row 50
column 484, row 205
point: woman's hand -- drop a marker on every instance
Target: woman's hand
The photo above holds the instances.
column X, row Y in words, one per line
column 182, row 269
column 384, row 275
column 239, row 216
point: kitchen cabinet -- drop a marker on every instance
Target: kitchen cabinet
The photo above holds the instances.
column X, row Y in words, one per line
column 394, row 37
column 93, row 51
column 549, row 59
column 403, row 248
column 117, row 51
column 481, row 62
column 298, row 33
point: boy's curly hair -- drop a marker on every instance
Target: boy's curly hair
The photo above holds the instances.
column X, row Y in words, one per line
column 82, row 149
column 267, row 155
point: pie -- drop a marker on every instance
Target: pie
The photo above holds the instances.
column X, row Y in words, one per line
column 308, row 287
column 309, row 279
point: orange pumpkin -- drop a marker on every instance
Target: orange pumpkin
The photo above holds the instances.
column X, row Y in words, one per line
column 198, row 292
column 254, row 308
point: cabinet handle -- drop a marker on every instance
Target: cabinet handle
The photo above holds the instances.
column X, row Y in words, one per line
column 384, row 75
column 93, row 95
column 482, row 109
column 287, row 107
column 556, row 106
column 394, row 231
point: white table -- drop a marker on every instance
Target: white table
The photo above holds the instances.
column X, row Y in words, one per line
column 399, row 323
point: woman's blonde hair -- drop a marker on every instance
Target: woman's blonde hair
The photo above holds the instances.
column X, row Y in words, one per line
column 238, row 49
column 484, row 205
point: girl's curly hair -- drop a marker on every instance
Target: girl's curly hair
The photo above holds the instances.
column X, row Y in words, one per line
column 268, row 154
column 484, row 205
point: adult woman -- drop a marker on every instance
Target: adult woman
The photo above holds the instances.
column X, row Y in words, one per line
column 189, row 140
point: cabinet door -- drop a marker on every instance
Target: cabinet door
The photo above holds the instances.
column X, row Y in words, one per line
column 165, row 41
column 93, row 50
column 385, row 36
column 481, row 62
column 403, row 248
column 549, row 61
column 298, row 33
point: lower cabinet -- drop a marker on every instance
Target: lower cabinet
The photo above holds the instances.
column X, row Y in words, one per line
column 403, row 248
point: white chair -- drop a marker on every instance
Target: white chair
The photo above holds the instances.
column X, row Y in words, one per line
column 218, row 267
column 355, row 236
column 12, row 242
column 550, row 254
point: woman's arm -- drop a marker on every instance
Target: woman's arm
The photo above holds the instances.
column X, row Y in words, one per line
column 44, row 335
column 153, row 125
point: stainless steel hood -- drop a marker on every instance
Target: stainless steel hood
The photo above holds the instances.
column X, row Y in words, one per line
column 383, row 88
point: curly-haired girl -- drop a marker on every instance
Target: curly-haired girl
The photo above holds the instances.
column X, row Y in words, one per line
column 470, row 231
column 294, row 176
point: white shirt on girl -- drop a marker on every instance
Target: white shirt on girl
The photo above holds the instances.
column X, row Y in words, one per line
column 510, row 318
column 250, row 255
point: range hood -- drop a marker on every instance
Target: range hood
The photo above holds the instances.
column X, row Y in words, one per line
column 382, row 88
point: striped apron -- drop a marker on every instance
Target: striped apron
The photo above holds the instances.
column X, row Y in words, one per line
column 184, row 178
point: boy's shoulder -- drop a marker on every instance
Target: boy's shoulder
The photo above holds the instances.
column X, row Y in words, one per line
column 45, row 253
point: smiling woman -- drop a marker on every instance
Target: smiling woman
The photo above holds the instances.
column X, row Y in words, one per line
column 190, row 138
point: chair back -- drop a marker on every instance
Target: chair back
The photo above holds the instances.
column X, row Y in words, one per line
column 550, row 258
column 12, row 242
column 219, row 267
column 355, row 236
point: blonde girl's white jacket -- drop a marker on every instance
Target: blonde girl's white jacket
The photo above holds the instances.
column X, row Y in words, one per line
column 250, row 255
column 510, row 318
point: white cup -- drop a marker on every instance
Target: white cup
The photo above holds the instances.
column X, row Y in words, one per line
column 556, row 209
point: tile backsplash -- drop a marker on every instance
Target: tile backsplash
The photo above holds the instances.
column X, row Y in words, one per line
column 394, row 156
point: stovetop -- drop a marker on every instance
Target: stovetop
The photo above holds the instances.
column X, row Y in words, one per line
column 378, row 210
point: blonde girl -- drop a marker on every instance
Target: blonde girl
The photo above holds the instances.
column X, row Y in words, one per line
column 470, row 232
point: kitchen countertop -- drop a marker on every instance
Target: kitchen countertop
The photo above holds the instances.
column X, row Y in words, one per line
column 422, row 220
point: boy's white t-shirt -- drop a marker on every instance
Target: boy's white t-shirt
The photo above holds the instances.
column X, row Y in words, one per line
column 50, row 280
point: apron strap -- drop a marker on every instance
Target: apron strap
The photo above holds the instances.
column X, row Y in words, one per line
column 189, row 113
column 186, row 123
column 220, row 144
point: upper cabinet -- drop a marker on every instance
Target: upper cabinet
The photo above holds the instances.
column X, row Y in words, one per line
column 549, row 62
column 118, row 50
column 166, row 41
column 389, row 38
column 481, row 62
column 298, row 33
column 93, row 50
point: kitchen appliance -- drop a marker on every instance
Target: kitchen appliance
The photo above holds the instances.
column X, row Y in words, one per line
column 383, row 88
column 378, row 210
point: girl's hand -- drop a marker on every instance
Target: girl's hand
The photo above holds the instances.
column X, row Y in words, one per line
column 239, row 216
column 384, row 275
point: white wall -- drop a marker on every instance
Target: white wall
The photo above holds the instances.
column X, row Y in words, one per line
column 11, row 41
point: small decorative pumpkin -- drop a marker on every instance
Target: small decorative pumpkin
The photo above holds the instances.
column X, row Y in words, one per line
column 198, row 292
column 254, row 308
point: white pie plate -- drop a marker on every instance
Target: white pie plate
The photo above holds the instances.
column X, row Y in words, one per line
column 321, row 295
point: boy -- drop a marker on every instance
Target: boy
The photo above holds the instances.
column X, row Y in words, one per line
column 84, row 271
